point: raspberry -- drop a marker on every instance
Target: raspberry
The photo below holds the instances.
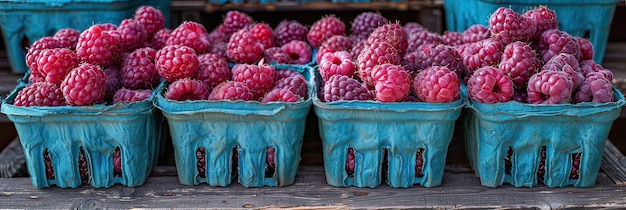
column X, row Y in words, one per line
column 33, row 54
column 117, row 162
column 342, row 87
column 364, row 23
column 175, row 62
column 350, row 161
column 489, row 85
column 259, row 78
column 40, row 94
column 213, row 69
column 276, row 54
column 550, row 87
column 54, row 64
column 588, row 66
column 150, row 18
column 218, row 48
column 486, row 52
column 287, row 31
column 586, row 48
column 391, row 82
column 373, row 55
column 138, row 70
column 159, row 39
column 325, row 28
column 334, row 44
column 83, row 166
column 336, row 63
column 554, row 41
column 280, row 95
column 190, row 34
column 67, row 37
column 437, row 84
column 47, row 161
column 413, row 27
column 270, row 155
column 132, row 35
column 128, row 96
column 234, row 21
column 392, row 33
column 263, row 34
column 567, row 63
column 218, row 35
column 439, row 55
column 596, row 88
column 420, row 38
column 97, row 46
column 285, row 73
column 296, row 83
column 187, row 89
column 299, row 52
column 107, row 26
column 519, row 62
column 452, row 38
column 520, row 95
column 84, row 85
column 508, row 26
column 112, row 82
column 544, row 18
column 475, row 33
column 231, row 90
column 357, row 48
column 244, row 48
column 409, row 61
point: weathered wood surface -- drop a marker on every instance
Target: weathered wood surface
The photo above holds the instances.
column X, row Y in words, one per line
column 614, row 164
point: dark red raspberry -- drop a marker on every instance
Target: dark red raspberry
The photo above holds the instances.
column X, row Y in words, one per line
column 84, row 85
column 588, row 66
column 159, row 39
column 299, row 51
column 544, row 18
column 234, row 21
column 47, row 161
column 334, row 44
column 40, row 94
column 244, row 48
column 175, row 62
column 280, row 95
column 190, row 34
column 596, row 88
column 437, row 84
column 413, row 27
column 586, row 48
column 97, row 46
column 336, row 63
column 287, row 31
column 276, row 54
column 259, row 78
column 213, row 69
column 520, row 95
column 392, row 33
column 519, row 62
column 187, row 89
column 391, row 82
column 373, row 55
column 409, row 62
column 285, row 73
column 342, row 87
column 452, row 38
column 132, row 35
column 112, row 82
column 550, row 87
column 296, row 83
column 439, row 55
column 150, row 18
column 128, row 96
column 218, row 48
column 117, row 162
column 54, row 64
column 33, row 55
column 325, row 28
column 475, row 33
column 567, row 63
column 231, row 90
column 508, row 26
column 67, row 37
column 138, row 70
column 270, row 157
column 489, row 85
column 107, row 26
column 487, row 52
column 364, row 23
column 420, row 38
column 350, row 161
column 554, row 41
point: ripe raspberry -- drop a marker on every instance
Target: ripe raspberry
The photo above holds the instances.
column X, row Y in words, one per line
column 296, row 83
column 117, row 162
column 40, row 94
column 218, row 35
column 270, row 155
column 54, row 64
column 187, row 89
column 550, row 87
column 342, row 87
column 218, row 48
column 392, row 33
column 413, row 27
column 287, row 31
column 544, row 18
column 508, row 26
column 439, row 55
column 259, row 78
column 409, row 61
column 325, row 28
column 244, row 48
column 554, row 41
column 373, row 55
column 175, row 62
column 357, row 47
column 437, row 84
column 112, row 82
column 519, row 62
column 350, row 161
column 452, row 38
column 67, row 37
column 33, row 54
column 97, row 46
column 276, row 54
column 285, row 73
column 420, row 38
column 190, row 34
column 334, row 44
column 128, row 96
column 336, row 63
column 586, row 48
column 263, row 34
column 486, row 52
column 567, row 63
column 520, row 95
column 234, row 21
column 299, row 51
column 280, row 95
column 213, row 69
column 475, row 33
column 364, row 23
column 391, row 82
column 596, row 88
column 107, row 26
column 150, row 18
column 133, row 35
column 231, row 90
column 588, row 66
column 138, row 70
column 159, row 39
column 489, row 85
column 84, row 85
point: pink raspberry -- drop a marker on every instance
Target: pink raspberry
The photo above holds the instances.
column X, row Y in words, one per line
column 138, row 70
column 567, row 63
column 40, row 94
column 508, row 26
column 231, row 90
column 187, row 89
column 107, row 26
column 364, row 23
column 219, row 48
column 299, row 51
column 67, row 37
column 128, row 96
column 244, row 48
column 132, row 35
column 334, row 44
column 544, row 18
column 234, row 21
column 213, row 69
column 554, row 41
column 586, row 48
column 475, row 33
column 392, row 33
column 489, row 85
column 452, row 38
column 190, row 34
column 589, row 66
column 420, row 38
column 280, row 95
column 97, row 46
column 550, row 87
column 112, row 82
column 84, row 85
column 373, row 55
column 413, row 27
column 263, row 34
column 487, row 52
column 259, row 78
column 342, row 87
column 519, row 62
column 287, row 31
column 336, row 63
column 391, row 82
column 439, row 55
column 325, row 28
column 218, row 35
column 54, row 64
column 159, row 39
column 276, row 54
column 285, row 73
column 150, row 18
column 33, row 54
column 296, row 83
column 175, row 62
column 357, row 47
column 437, row 84
column 596, row 88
